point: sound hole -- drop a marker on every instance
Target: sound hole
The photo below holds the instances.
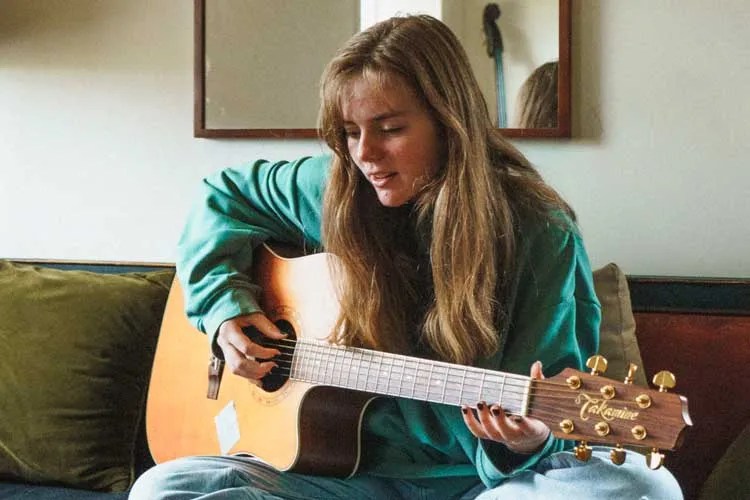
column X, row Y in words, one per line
column 277, row 377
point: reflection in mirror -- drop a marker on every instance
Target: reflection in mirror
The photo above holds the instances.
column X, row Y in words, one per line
column 258, row 62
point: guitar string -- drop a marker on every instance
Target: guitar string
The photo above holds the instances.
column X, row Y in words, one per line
column 453, row 396
column 518, row 392
column 322, row 351
column 548, row 412
column 399, row 370
column 403, row 369
column 508, row 379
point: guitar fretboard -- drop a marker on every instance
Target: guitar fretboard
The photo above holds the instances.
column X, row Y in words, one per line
column 407, row 377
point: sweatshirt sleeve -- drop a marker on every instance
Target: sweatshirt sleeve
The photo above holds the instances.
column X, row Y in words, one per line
column 555, row 319
column 240, row 208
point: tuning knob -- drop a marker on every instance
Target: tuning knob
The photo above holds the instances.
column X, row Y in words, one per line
column 654, row 459
column 617, row 455
column 632, row 368
column 664, row 380
column 582, row 451
column 597, row 364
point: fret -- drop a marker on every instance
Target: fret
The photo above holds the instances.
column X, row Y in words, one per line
column 299, row 355
column 333, row 354
column 353, row 369
column 369, row 366
column 333, row 357
column 451, row 382
column 377, row 364
column 313, row 371
column 319, row 364
column 414, row 379
column 388, row 377
column 524, row 410
column 380, row 375
column 346, row 365
column 295, row 360
column 324, row 362
column 344, row 372
column 446, row 381
column 316, row 363
column 401, row 377
column 481, row 388
column 478, row 387
column 374, row 373
column 304, row 362
column 463, row 384
column 336, row 364
column 358, row 357
column 502, row 391
column 349, row 369
column 429, row 383
column 436, row 382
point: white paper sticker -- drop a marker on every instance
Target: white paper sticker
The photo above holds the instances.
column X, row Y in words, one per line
column 227, row 428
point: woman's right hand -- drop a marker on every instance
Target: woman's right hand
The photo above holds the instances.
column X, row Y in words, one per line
column 240, row 352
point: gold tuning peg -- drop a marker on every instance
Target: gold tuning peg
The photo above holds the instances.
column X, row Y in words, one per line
column 582, row 451
column 617, row 455
column 664, row 380
column 597, row 364
column 654, row 459
column 632, row 368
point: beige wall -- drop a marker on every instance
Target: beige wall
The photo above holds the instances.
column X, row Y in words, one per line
column 97, row 158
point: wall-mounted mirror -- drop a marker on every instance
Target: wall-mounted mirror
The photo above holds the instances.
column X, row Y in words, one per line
column 258, row 62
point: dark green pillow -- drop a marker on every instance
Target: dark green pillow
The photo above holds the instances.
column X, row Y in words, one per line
column 76, row 349
column 729, row 479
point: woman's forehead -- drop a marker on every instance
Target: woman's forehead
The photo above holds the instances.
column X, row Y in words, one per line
column 375, row 82
column 383, row 87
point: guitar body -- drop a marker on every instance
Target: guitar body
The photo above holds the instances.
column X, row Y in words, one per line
column 298, row 427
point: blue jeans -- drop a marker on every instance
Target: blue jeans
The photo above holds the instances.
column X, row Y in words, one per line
column 559, row 476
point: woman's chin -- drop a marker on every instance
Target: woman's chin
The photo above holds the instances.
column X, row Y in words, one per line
column 389, row 201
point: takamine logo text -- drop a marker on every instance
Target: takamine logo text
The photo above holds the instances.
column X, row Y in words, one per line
column 600, row 407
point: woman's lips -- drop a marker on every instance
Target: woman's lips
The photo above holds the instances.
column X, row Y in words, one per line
column 381, row 179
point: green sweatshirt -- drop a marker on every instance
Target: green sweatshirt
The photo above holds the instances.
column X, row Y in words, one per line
column 555, row 316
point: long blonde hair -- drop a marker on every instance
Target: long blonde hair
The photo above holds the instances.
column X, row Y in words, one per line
column 468, row 214
column 537, row 98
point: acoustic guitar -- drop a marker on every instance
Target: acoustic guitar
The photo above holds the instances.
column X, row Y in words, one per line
column 306, row 415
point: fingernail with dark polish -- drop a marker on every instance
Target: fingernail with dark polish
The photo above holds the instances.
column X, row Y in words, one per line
column 495, row 411
column 464, row 410
column 480, row 405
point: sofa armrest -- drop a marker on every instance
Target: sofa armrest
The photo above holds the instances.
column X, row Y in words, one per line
column 700, row 330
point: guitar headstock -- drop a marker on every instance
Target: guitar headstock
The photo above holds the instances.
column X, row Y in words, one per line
column 590, row 407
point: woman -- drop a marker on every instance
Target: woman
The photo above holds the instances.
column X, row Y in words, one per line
column 465, row 254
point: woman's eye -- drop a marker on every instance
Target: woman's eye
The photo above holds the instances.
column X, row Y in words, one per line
column 392, row 130
column 352, row 134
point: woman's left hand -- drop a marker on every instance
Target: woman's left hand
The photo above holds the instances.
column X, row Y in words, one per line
column 519, row 434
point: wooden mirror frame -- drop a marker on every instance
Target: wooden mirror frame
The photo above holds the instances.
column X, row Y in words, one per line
column 563, row 129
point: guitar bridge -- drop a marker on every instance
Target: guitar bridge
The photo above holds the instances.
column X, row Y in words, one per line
column 215, row 372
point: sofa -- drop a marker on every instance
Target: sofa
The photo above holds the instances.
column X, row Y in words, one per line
column 77, row 342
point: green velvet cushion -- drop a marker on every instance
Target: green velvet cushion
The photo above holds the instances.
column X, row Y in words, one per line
column 617, row 342
column 729, row 479
column 75, row 356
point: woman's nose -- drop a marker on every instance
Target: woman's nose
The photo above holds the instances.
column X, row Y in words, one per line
column 368, row 148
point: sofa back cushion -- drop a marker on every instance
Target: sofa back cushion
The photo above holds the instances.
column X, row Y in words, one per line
column 618, row 341
column 76, row 349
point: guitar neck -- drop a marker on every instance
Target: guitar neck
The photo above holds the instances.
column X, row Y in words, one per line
column 407, row 377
